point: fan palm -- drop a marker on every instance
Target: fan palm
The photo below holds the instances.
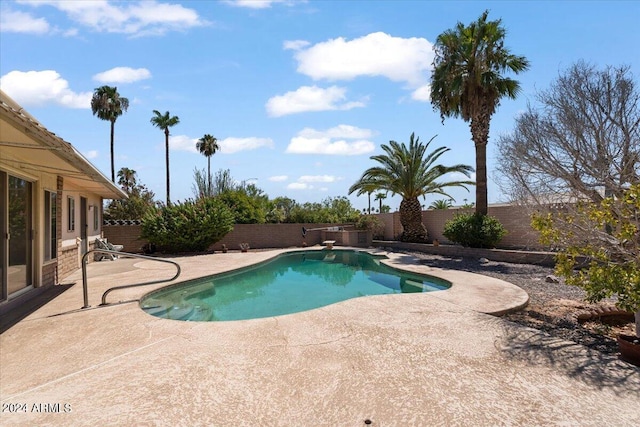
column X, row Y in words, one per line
column 410, row 172
column 468, row 82
column 164, row 122
column 107, row 104
column 207, row 146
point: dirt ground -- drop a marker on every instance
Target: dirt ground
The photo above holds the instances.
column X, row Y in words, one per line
column 553, row 307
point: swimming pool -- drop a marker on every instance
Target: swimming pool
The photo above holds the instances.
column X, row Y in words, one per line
column 289, row 283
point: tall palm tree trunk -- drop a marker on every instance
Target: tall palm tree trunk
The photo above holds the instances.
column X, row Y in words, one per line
column 166, row 137
column 209, row 176
column 411, row 220
column 113, row 169
column 480, row 134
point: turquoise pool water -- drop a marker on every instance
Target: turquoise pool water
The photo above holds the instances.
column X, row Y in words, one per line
column 290, row 283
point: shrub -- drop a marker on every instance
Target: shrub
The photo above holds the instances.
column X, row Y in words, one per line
column 373, row 224
column 187, row 227
column 600, row 247
column 474, row 230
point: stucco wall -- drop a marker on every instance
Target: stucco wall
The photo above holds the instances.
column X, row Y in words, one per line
column 515, row 219
column 258, row 236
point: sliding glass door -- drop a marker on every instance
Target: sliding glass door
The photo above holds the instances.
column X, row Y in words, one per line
column 16, row 262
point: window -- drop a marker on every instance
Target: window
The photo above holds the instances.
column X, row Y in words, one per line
column 71, row 221
column 96, row 217
column 50, row 235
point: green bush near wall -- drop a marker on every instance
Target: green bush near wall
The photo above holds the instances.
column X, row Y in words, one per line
column 474, row 230
column 191, row 226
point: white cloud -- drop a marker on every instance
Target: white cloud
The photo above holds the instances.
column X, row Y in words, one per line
column 399, row 59
column 319, row 178
column 259, row 4
column 295, row 44
column 183, row 143
column 423, row 93
column 137, row 19
column 38, row 88
column 122, row 75
column 233, row 145
column 92, row 154
column 299, row 186
column 227, row 146
column 278, row 178
column 20, row 22
column 340, row 140
column 310, row 98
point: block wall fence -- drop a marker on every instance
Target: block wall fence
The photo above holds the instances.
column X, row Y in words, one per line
column 263, row 236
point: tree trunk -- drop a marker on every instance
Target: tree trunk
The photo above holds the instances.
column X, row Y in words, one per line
column 166, row 138
column 113, row 170
column 411, row 220
column 480, row 135
column 209, row 176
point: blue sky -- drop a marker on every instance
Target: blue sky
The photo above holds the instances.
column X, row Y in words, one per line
column 299, row 93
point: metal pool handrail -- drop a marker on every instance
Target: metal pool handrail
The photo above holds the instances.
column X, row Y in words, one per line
column 85, row 289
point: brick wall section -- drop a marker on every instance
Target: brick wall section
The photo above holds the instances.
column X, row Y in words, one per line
column 258, row 236
column 67, row 261
column 515, row 219
column 127, row 235
column 49, row 276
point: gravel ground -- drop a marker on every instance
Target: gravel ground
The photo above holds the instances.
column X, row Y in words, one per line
column 552, row 306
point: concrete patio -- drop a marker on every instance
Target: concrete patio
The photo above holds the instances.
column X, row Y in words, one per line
column 393, row 360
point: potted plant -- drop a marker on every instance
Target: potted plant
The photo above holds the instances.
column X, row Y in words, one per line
column 224, row 248
column 600, row 252
column 244, row 247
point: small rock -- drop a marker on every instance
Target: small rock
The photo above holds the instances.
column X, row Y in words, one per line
column 551, row 279
column 483, row 261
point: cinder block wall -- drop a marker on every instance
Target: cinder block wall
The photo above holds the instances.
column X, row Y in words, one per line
column 258, row 236
column 515, row 219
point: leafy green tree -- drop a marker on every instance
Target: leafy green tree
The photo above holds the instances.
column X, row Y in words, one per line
column 140, row 198
column 164, row 122
column 468, row 82
column 246, row 209
column 107, row 104
column 208, row 146
column 410, row 172
column 599, row 247
column 441, row 204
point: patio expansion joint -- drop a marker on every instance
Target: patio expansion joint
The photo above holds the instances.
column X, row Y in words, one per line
column 89, row 368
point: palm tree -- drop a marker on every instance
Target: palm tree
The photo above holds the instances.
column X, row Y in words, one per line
column 368, row 190
column 207, row 146
column 107, row 104
column 164, row 122
column 468, row 82
column 380, row 196
column 410, row 173
column 441, row 204
column 127, row 179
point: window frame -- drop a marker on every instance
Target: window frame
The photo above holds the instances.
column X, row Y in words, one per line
column 71, row 212
column 50, row 225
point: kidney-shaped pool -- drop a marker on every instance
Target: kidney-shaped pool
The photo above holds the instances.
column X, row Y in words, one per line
column 289, row 283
